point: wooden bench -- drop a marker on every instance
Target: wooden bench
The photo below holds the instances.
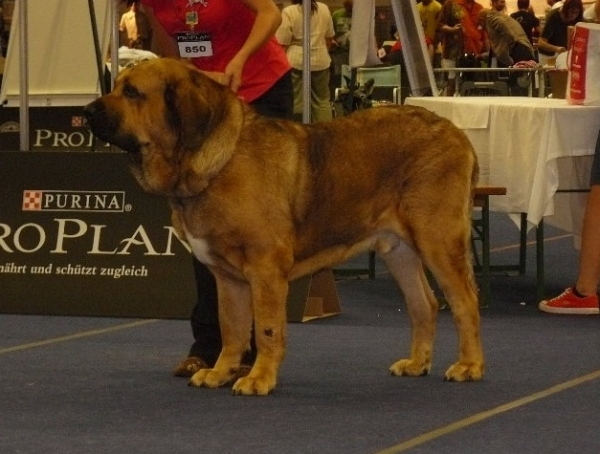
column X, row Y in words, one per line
column 481, row 232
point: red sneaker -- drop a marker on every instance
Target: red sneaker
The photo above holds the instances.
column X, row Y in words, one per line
column 569, row 303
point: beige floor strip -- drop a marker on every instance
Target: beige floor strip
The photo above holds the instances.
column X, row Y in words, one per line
column 531, row 243
column 458, row 425
column 70, row 337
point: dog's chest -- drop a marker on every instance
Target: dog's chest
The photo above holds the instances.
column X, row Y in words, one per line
column 199, row 248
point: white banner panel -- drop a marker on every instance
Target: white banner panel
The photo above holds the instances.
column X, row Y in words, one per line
column 61, row 57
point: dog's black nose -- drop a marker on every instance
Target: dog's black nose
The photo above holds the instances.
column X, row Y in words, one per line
column 90, row 109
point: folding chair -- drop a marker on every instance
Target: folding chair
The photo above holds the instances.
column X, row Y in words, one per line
column 386, row 81
column 474, row 88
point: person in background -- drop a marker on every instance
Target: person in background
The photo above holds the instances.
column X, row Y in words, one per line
column 290, row 35
column 340, row 45
column 528, row 20
column 134, row 28
column 554, row 37
column 509, row 44
column 582, row 298
column 556, row 4
column 429, row 12
column 499, row 6
column 461, row 34
column 508, row 40
column 239, row 51
column 391, row 50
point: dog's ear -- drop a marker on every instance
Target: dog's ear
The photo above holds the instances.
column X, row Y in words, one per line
column 189, row 110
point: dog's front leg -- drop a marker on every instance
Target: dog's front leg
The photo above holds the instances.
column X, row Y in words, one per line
column 269, row 297
column 235, row 319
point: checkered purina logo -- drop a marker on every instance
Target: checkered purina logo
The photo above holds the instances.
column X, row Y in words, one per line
column 69, row 200
column 32, row 200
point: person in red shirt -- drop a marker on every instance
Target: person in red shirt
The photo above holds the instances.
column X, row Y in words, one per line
column 233, row 42
column 461, row 34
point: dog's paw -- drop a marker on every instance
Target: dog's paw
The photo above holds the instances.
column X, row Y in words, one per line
column 253, row 386
column 464, row 372
column 410, row 368
column 210, row 378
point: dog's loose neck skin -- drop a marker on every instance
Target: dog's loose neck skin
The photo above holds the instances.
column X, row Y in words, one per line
column 205, row 145
column 214, row 152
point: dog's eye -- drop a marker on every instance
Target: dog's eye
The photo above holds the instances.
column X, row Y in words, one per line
column 129, row 91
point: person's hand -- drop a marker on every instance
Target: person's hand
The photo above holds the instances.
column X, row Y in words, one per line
column 560, row 50
column 216, row 76
column 233, row 74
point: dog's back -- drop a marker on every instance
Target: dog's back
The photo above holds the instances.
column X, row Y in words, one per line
column 382, row 170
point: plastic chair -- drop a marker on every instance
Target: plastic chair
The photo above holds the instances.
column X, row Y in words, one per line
column 386, row 79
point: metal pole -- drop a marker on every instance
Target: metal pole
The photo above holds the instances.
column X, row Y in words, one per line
column 99, row 56
column 24, row 78
column 306, row 15
column 416, row 59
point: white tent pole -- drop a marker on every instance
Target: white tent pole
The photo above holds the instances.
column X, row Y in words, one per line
column 306, row 13
column 24, row 78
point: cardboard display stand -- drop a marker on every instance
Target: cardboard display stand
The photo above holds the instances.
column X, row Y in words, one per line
column 313, row 297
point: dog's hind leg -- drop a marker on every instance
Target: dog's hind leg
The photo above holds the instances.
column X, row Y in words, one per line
column 406, row 268
column 448, row 257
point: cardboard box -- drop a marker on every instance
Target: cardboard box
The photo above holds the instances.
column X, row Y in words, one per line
column 558, row 82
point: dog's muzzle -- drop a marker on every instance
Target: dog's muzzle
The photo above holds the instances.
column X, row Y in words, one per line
column 105, row 126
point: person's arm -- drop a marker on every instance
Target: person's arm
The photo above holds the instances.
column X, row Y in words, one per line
column 283, row 35
column 444, row 27
column 329, row 36
column 547, row 33
column 543, row 44
column 268, row 19
column 499, row 32
column 163, row 43
column 123, row 36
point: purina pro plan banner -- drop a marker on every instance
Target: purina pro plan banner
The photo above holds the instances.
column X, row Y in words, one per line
column 79, row 237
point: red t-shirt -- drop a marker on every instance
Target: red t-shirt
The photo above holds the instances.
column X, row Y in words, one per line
column 228, row 22
column 473, row 34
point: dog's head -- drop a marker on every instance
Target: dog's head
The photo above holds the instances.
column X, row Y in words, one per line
column 162, row 112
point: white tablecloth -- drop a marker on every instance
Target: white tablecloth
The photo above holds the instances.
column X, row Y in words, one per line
column 532, row 146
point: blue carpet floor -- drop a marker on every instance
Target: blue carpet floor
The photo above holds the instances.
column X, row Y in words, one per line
column 102, row 385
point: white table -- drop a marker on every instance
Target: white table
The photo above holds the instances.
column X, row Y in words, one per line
column 532, row 146
column 521, row 143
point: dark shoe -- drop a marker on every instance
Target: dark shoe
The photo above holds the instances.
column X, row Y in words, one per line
column 193, row 364
column 189, row 367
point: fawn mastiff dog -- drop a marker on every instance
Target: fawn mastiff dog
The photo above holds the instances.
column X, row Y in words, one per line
column 263, row 201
